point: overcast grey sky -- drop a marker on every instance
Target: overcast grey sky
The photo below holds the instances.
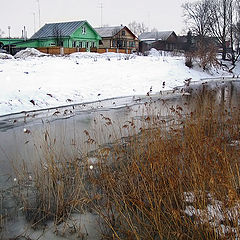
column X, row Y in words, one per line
column 160, row 14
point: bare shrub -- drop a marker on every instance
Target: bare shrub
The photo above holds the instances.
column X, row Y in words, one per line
column 206, row 55
column 189, row 59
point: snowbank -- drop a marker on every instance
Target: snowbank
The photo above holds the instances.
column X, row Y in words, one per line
column 109, row 55
column 153, row 53
column 5, row 56
column 29, row 52
column 43, row 82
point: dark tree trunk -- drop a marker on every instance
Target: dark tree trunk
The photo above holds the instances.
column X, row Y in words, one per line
column 224, row 52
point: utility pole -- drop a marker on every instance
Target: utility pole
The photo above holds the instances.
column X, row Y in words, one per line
column 101, row 9
column 39, row 15
column 34, row 22
column 24, row 33
column 9, row 38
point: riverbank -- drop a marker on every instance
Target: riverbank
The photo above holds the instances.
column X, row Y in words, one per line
column 39, row 82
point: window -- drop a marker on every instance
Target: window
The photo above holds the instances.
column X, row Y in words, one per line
column 113, row 43
column 83, row 44
column 123, row 33
column 74, row 44
column 93, row 44
column 87, row 44
column 52, row 44
column 61, row 44
column 131, row 44
column 119, row 43
column 83, row 30
column 80, row 44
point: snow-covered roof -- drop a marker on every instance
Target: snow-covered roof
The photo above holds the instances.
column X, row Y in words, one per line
column 63, row 28
column 150, row 41
column 147, row 36
column 108, row 31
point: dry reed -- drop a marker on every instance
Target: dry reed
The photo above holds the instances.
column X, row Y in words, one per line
column 176, row 180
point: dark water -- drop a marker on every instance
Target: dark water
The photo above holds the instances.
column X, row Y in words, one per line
column 28, row 136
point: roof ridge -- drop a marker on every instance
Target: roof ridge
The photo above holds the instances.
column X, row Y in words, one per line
column 111, row 27
column 66, row 22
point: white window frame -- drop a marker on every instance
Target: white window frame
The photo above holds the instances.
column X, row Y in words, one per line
column 83, row 30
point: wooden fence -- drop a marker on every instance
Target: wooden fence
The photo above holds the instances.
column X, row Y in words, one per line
column 66, row 51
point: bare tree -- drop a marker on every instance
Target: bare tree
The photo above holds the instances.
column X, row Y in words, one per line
column 57, row 34
column 1, row 33
column 236, row 29
column 196, row 15
column 137, row 28
column 154, row 30
column 221, row 22
column 234, row 32
column 212, row 18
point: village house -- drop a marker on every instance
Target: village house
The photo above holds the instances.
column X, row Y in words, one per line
column 7, row 41
column 119, row 37
column 165, row 41
column 77, row 34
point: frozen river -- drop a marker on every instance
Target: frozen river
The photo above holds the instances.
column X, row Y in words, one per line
column 66, row 130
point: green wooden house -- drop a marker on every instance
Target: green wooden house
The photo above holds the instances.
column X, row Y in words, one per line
column 7, row 41
column 66, row 34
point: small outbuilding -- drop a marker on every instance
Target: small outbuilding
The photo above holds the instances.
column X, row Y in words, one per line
column 165, row 41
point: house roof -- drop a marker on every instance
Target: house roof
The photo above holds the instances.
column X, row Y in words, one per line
column 108, row 31
column 64, row 28
column 151, row 36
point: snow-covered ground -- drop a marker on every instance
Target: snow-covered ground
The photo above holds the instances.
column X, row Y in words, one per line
column 35, row 81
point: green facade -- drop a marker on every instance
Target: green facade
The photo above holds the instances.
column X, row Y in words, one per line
column 6, row 41
column 82, row 38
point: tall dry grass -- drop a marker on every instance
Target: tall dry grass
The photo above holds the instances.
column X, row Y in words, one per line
column 170, row 180
column 175, row 182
